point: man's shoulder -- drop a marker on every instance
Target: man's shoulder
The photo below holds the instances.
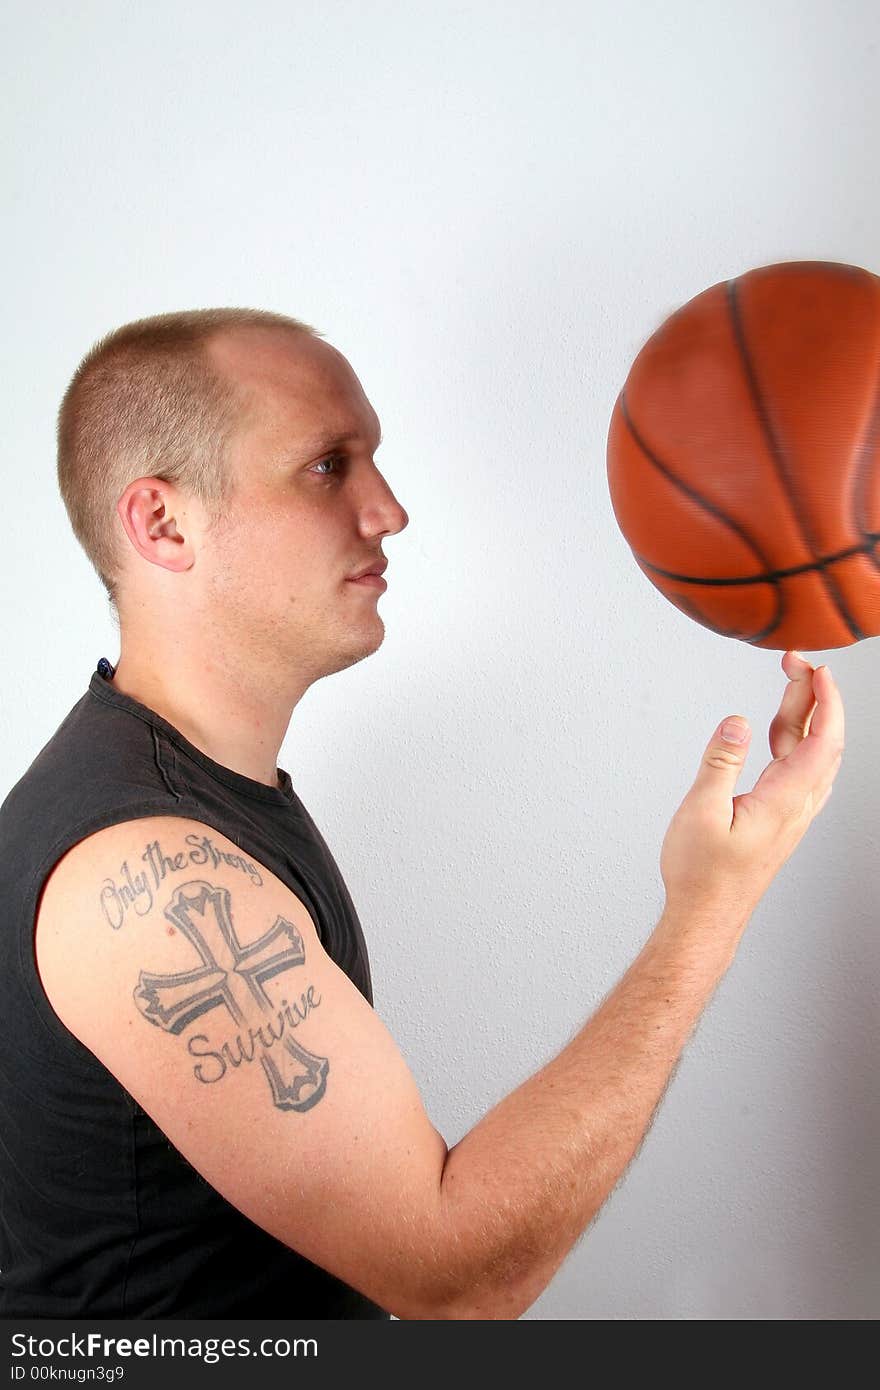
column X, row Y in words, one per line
column 119, row 874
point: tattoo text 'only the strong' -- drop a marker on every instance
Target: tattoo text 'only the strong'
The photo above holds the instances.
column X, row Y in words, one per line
column 230, row 977
column 138, row 890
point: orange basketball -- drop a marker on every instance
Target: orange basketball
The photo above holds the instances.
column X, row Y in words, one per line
column 744, row 456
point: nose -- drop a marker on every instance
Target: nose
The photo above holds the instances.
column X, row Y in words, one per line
column 381, row 513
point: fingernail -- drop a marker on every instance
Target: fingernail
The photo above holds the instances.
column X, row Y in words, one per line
column 735, row 730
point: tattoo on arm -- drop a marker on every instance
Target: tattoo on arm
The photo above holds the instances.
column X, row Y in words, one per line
column 138, row 890
column 231, row 976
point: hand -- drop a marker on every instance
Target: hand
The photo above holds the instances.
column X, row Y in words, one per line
column 723, row 851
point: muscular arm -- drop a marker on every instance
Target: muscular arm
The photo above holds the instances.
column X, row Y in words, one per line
column 208, row 995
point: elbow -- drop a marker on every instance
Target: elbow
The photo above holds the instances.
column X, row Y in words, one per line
column 466, row 1305
column 493, row 1292
column 459, row 1270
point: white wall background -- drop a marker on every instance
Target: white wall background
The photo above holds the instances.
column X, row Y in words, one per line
column 488, row 207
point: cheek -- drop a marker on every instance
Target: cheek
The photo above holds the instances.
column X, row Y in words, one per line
column 264, row 550
column 239, row 560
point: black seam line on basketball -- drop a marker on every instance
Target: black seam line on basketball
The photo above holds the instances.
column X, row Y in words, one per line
column 686, row 604
column 689, row 491
column 779, row 460
column 700, row 580
column 714, row 511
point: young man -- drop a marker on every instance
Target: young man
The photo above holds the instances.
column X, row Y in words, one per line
column 202, row 1113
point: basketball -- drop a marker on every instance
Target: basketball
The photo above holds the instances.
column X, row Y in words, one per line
column 743, row 456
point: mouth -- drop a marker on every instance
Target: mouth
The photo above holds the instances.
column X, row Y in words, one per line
column 377, row 566
column 372, row 581
column 371, row 574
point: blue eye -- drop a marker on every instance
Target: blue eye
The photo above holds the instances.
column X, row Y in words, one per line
column 332, row 458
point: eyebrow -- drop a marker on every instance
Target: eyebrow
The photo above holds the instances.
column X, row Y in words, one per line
column 320, row 443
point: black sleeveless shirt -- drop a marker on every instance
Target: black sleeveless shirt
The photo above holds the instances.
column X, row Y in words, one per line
column 99, row 1213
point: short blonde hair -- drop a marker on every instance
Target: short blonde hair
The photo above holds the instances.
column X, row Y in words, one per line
column 145, row 401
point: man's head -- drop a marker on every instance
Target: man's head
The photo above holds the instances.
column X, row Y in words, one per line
column 198, row 465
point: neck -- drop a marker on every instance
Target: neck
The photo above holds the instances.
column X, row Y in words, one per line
column 237, row 717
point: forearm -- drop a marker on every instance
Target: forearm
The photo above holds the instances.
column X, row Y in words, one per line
column 521, row 1187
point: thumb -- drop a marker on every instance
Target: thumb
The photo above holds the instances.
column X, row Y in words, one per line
column 724, row 758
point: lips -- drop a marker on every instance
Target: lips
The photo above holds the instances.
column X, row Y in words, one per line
column 377, row 567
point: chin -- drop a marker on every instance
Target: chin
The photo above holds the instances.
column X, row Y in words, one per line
column 358, row 650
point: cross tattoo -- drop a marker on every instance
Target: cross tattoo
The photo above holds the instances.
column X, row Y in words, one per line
column 231, row 976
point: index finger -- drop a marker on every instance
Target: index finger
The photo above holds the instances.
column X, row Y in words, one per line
column 808, row 770
column 796, row 707
column 828, row 723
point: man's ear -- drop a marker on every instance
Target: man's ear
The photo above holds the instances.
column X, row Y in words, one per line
column 154, row 518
